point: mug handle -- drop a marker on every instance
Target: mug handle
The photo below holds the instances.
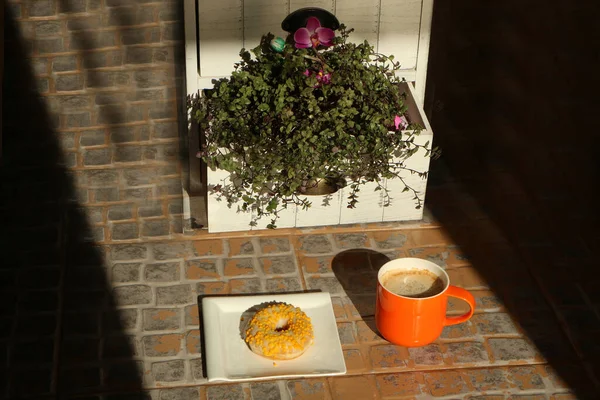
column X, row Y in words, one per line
column 463, row 295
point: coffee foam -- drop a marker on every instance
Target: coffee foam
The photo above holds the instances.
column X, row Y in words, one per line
column 415, row 283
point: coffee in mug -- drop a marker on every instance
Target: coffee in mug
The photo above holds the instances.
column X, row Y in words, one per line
column 412, row 298
column 414, row 283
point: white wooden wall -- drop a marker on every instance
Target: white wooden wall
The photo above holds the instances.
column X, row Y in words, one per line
column 398, row 27
column 215, row 31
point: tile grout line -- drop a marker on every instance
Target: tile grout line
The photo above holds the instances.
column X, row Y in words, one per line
column 293, row 239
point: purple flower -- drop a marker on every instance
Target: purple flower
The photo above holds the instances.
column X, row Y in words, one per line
column 313, row 35
column 321, row 77
column 400, row 121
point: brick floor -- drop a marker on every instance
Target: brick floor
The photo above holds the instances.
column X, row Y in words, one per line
column 128, row 316
column 151, row 330
column 95, row 306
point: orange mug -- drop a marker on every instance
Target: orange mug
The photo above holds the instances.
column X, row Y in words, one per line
column 411, row 321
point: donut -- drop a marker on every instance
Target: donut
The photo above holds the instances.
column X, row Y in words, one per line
column 279, row 331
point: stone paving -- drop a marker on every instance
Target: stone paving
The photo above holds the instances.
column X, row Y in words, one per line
column 115, row 319
column 139, row 329
column 98, row 289
column 154, row 286
column 118, row 319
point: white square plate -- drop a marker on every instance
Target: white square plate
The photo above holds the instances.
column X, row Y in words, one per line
column 228, row 357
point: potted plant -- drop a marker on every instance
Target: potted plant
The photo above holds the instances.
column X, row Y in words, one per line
column 307, row 115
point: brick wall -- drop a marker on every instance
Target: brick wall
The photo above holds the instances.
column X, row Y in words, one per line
column 109, row 72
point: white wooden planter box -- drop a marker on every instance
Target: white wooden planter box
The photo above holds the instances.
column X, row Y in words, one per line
column 216, row 31
column 370, row 207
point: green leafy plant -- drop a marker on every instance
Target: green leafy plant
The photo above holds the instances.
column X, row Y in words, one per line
column 289, row 117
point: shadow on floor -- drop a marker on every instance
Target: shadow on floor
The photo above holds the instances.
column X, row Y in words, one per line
column 55, row 302
column 512, row 103
column 358, row 282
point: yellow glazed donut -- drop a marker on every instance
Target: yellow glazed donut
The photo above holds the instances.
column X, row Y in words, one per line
column 279, row 331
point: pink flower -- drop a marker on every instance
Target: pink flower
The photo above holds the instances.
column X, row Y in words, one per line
column 313, row 35
column 400, row 121
column 322, row 78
